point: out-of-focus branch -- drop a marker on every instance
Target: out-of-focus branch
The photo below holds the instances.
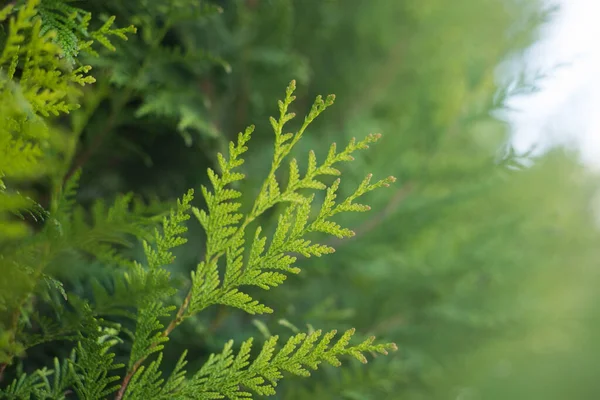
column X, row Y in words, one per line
column 399, row 196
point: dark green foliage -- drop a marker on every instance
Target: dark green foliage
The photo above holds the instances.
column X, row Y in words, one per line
column 71, row 27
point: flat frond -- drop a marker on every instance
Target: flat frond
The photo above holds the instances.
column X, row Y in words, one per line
column 231, row 376
column 94, row 364
column 268, row 263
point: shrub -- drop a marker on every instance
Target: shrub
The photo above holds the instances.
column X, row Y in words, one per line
column 132, row 304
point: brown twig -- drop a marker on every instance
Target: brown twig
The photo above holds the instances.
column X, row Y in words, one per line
column 179, row 318
column 172, row 325
column 2, row 368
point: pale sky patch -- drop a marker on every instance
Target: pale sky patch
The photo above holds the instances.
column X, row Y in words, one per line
column 567, row 109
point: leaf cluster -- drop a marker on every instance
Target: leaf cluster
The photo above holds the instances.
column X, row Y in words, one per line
column 134, row 307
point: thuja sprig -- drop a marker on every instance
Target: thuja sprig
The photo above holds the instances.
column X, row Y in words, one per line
column 234, row 376
column 267, row 267
column 267, row 263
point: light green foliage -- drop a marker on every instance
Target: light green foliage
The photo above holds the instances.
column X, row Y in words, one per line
column 35, row 82
column 44, row 39
column 43, row 87
column 41, row 90
column 438, row 266
column 466, row 248
column 234, row 376
column 169, row 239
column 149, row 337
column 43, row 82
column 266, row 267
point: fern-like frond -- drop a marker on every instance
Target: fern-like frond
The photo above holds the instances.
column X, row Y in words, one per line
column 26, row 386
column 234, row 376
column 72, row 27
column 70, row 24
column 131, row 288
column 94, row 364
column 222, row 217
column 148, row 382
column 96, row 233
column 170, row 238
column 32, row 268
column 59, row 380
column 66, row 323
column 266, row 265
column 149, row 336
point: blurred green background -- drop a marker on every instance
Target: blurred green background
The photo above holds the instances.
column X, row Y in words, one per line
column 479, row 263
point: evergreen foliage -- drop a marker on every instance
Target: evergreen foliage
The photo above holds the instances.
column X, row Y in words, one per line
column 480, row 263
column 43, row 41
